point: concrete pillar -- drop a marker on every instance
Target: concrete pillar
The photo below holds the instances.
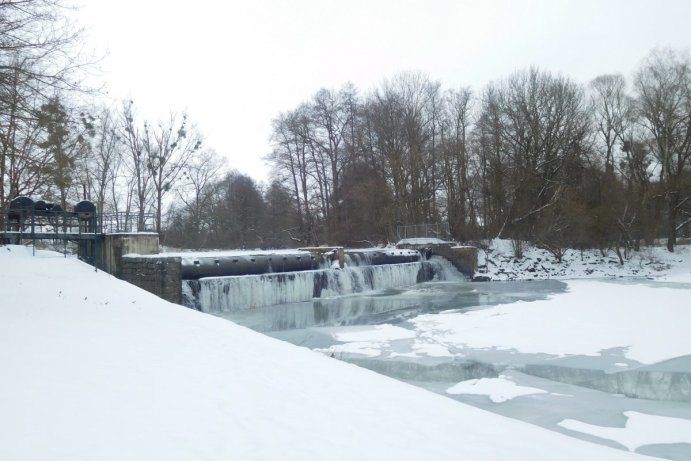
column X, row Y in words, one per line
column 115, row 246
column 463, row 258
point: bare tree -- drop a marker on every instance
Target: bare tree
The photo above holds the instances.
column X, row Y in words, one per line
column 39, row 58
column 493, row 162
column 611, row 107
column 400, row 120
column 103, row 166
column 137, row 164
column 663, row 86
column 455, row 160
column 200, row 184
column 290, row 160
column 22, row 163
column 280, row 222
column 544, row 128
column 168, row 148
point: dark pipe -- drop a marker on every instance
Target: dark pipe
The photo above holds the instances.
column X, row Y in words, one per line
column 22, row 203
column 200, row 266
column 383, row 256
column 85, row 210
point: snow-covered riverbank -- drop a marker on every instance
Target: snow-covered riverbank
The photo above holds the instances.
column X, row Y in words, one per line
column 96, row 369
column 498, row 262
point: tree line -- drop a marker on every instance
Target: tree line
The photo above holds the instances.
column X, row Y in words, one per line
column 532, row 157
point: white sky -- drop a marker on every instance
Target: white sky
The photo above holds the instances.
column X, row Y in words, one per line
column 234, row 66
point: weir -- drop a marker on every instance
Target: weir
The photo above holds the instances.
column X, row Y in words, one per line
column 235, row 280
column 227, row 294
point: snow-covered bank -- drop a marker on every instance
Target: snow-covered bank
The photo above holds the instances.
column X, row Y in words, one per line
column 95, row 369
column 499, row 262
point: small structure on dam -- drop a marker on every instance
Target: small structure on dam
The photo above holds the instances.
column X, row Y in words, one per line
column 28, row 220
column 463, row 257
column 98, row 238
column 435, row 239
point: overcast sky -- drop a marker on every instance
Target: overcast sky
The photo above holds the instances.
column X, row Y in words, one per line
column 234, row 66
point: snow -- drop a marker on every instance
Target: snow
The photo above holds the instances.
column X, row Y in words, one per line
column 366, row 340
column 385, row 250
column 381, row 333
column 498, row 389
column 498, row 262
column 97, row 369
column 640, row 429
column 591, row 318
column 431, row 349
column 423, row 241
column 224, row 253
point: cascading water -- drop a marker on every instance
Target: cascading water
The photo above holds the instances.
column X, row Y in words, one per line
column 226, row 294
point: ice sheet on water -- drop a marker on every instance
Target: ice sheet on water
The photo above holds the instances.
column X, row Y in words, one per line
column 640, row 429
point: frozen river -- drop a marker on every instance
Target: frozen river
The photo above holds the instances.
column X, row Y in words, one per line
column 389, row 306
column 580, row 358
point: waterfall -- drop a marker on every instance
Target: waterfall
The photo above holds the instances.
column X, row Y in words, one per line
column 225, row 294
column 445, row 270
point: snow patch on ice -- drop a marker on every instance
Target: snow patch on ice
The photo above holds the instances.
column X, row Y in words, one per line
column 431, row 349
column 375, row 333
column 641, row 429
column 498, row 389
column 592, row 317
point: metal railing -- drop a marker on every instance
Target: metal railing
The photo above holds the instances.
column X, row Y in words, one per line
column 126, row 222
column 436, row 230
column 28, row 222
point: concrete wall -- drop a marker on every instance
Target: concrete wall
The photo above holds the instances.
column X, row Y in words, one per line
column 115, row 246
column 160, row 276
column 463, row 258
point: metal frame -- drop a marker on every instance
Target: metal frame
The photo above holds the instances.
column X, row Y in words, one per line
column 19, row 225
column 437, row 230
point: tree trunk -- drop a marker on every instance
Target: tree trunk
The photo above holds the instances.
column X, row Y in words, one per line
column 672, row 223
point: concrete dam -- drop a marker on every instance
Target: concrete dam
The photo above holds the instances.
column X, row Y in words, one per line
column 226, row 281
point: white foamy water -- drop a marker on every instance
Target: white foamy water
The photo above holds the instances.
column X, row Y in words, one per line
column 224, row 294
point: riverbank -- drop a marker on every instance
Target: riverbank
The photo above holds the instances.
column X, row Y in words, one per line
column 498, row 262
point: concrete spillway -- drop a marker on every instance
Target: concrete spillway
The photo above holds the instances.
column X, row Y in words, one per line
column 226, row 281
column 364, row 270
